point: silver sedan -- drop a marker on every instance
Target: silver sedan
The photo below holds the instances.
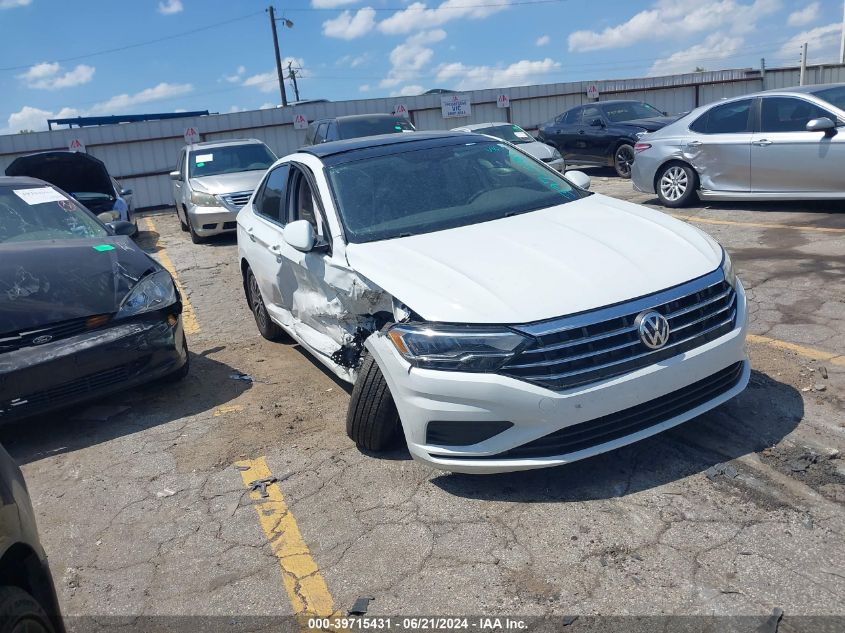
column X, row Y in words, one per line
column 516, row 135
column 775, row 145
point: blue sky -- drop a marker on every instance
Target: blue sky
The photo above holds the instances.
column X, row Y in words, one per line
column 349, row 49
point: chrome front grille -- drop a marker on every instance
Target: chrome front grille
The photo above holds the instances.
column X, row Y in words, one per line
column 604, row 343
column 236, row 200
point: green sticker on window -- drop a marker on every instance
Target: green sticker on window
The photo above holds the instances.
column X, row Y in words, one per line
column 200, row 164
column 103, row 247
column 398, row 128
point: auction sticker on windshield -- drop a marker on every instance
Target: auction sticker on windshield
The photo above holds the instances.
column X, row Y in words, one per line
column 204, row 158
column 39, row 195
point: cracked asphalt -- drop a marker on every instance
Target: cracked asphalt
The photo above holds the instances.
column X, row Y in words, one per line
column 737, row 512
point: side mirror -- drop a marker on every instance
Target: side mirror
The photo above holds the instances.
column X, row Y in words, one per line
column 596, row 123
column 175, row 175
column 300, row 235
column 126, row 192
column 578, row 178
column 822, row 124
column 121, row 227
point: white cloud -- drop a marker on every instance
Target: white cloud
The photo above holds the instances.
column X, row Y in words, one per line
column 29, row 118
column 267, row 106
column 13, row 4
column 522, row 72
column 331, row 4
column 169, row 7
column 804, row 16
column 409, row 57
column 364, row 88
column 675, row 19
column 717, row 46
column 237, row 76
column 823, row 45
column 45, row 76
column 125, row 101
column 418, row 16
column 236, row 108
column 347, row 26
column 543, row 40
column 408, row 91
column 269, row 81
column 353, row 61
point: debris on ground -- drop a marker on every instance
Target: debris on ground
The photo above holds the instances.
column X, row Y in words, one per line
column 167, row 492
column 261, row 485
column 823, row 371
column 241, row 376
column 361, row 605
column 803, row 462
column 721, row 469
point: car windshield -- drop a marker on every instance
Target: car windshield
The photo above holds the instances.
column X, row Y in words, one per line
column 33, row 213
column 507, row 132
column 409, row 192
column 834, row 96
column 372, row 126
column 230, row 159
column 630, row 111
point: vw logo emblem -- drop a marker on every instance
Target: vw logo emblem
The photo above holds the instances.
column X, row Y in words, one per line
column 653, row 329
column 40, row 340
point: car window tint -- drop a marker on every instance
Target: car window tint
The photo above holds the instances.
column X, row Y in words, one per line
column 309, row 133
column 728, row 118
column 302, row 204
column 331, row 132
column 571, row 117
column 371, row 126
column 180, row 166
column 590, row 114
column 834, row 96
column 789, row 114
column 270, row 201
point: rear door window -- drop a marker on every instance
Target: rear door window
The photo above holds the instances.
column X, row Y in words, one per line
column 729, row 118
column 590, row 114
column 789, row 114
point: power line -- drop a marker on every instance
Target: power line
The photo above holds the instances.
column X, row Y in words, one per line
column 139, row 44
column 480, row 5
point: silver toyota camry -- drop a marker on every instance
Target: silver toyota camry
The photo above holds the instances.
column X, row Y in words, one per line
column 516, row 135
column 784, row 144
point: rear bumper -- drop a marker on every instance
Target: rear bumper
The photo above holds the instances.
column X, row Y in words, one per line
column 35, row 380
column 208, row 221
column 643, row 171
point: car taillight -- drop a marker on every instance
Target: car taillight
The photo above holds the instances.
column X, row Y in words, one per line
column 641, row 147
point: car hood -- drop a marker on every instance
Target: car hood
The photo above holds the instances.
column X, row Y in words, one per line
column 75, row 172
column 650, row 124
column 52, row 281
column 228, row 183
column 537, row 149
column 566, row 259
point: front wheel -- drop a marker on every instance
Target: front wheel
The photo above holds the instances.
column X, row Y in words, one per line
column 20, row 613
column 676, row 185
column 196, row 239
column 372, row 421
column 623, row 158
column 269, row 330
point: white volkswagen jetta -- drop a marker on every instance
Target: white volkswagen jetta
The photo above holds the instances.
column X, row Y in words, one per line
column 492, row 311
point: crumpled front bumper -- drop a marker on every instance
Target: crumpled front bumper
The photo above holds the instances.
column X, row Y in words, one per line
column 41, row 378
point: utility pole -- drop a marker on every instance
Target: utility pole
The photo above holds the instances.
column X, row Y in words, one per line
column 763, row 72
column 272, row 13
column 842, row 41
column 803, row 72
column 292, row 75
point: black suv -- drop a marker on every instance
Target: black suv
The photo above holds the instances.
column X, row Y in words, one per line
column 354, row 126
column 27, row 596
column 603, row 133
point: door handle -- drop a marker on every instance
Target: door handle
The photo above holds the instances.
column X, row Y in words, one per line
column 276, row 248
column 762, row 142
column 694, row 144
column 251, row 232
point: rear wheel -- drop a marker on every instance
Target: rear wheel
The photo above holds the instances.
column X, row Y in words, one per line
column 269, row 330
column 676, row 185
column 20, row 613
column 623, row 158
column 372, row 421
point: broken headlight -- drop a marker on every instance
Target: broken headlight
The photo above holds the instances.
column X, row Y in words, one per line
column 204, row 199
column 728, row 268
column 456, row 348
column 153, row 292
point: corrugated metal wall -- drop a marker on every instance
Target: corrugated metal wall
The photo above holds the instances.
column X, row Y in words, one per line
column 140, row 155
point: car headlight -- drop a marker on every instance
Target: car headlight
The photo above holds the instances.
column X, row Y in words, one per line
column 456, row 348
column 153, row 292
column 556, row 154
column 728, row 268
column 204, row 199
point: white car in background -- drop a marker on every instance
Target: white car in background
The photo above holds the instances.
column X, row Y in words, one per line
column 213, row 180
column 493, row 311
column 516, row 135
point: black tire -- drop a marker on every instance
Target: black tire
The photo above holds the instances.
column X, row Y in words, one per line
column 182, row 224
column 196, row 239
column 623, row 158
column 372, row 421
column 20, row 613
column 676, row 185
column 269, row 330
column 184, row 370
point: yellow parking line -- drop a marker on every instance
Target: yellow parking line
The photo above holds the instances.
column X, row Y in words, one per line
column 809, row 352
column 189, row 317
column 760, row 225
column 307, row 590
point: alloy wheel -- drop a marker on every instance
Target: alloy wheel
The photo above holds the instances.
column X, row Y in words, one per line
column 257, row 302
column 674, row 183
column 624, row 159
